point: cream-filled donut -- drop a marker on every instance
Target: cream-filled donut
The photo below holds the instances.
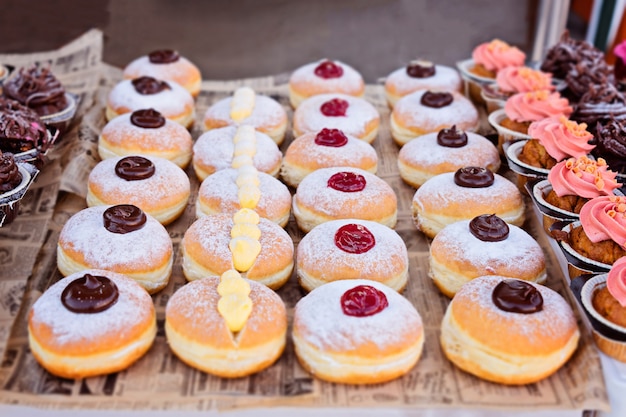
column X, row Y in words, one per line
column 357, row 332
column 352, row 115
column 93, row 322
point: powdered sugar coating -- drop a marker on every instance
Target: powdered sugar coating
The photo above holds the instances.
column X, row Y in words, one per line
column 171, row 102
column 267, row 112
column 135, row 251
column 304, row 79
column 320, row 321
column 132, row 309
column 359, row 115
column 214, row 149
column 400, row 83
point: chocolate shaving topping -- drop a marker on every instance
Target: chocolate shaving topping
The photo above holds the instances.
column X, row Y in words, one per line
column 516, row 296
column 21, row 129
column 600, row 104
column 134, row 168
column 10, row 175
column 163, row 56
column 473, row 177
column 567, row 53
column 37, row 88
column 149, row 85
column 489, row 228
column 123, row 218
column 436, row 99
column 147, row 119
column 452, row 137
column 90, row 294
column 420, row 69
column 610, row 141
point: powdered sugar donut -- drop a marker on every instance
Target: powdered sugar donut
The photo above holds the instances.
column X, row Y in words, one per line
column 157, row 186
column 357, row 332
column 93, row 322
column 352, row 115
column 324, row 149
column 351, row 249
column 168, row 98
column 324, row 76
column 219, row 193
column 426, row 111
column 343, row 193
column 213, row 151
column 145, row 132
column 119, row 238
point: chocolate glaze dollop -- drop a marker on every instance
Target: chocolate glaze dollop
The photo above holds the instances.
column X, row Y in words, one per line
column 516, row 296
column 21, row 128
column 37, row 88
column 584, row 74
column 420, row 69
column 452, row 137
column 124, row 218
column 10, row 175
column 90, row 294
column 149, row 85
column 600, row 104
column 436, row 99
column 474, row 177
column 610, row 141
column 163, row 56
column 489, row 228
column 147, row 119
column 134, row 168
column 567, row 53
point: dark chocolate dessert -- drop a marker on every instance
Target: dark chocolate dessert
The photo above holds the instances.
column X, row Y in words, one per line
column 37, row 88
column 21, row 129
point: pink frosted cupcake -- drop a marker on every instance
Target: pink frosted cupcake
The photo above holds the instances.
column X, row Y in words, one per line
column 513, row 80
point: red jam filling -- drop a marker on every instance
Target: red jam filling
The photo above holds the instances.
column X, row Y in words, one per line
column 354, row 238
column 335, row 107
column 331, row 137
column 328, row 69
column 362, row 301
column 348, row 182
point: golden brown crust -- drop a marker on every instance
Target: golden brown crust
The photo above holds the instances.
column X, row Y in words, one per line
column 510, row 124
column 571, row 203
column 608, row 306
column 533, row 153
column 606, row 251
column 481, row 71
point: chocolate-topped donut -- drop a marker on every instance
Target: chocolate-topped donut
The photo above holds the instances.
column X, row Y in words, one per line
column 149, row 85
column 517, row 296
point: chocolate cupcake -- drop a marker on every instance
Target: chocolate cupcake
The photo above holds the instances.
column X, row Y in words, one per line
column 583, row 75
column 14, row 181
column 600, row 104
column 567, row 53
column 21, row 129
column 610, row 141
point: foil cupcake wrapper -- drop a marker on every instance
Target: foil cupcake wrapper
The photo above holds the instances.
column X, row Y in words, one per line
column 574, row 259
column 537, row 190
column 512, row 152
column 506, row 135
column 464, row 67
column 9, row 201
column 62, row 119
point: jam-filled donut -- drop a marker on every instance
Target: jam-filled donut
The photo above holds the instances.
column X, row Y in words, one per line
column 168, row 98
column 324, row 149
column 220, row 193
column 343, row 193
column 485, row 245
column 157, row 186
column 93, row 322
column 508, row 331
column 214, row 150
column 245, row 107
column 145, row 132
column 463, row 195
column 357, row 332
column 324, row 76
column 352, row 115
column 207, row 251
column 199, row 332
column 445, row 151
column 420, row 75
column 120, row 238
column 166, row 65
column 426, row 111
column 351, row 249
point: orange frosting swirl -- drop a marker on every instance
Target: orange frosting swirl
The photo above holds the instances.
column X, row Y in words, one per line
column 523, row 80
column 583, row 177
column 604, row 218
column 498, row 54
column 616, row 281
column 536, row 105
column 561, row 137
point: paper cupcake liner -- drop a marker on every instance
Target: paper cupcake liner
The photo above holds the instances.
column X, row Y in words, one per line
column 62, row 119
column 577, row 264
column 610, row 347
column 9, row 201
column 524, row 171
column 492, row 101
column 505, row 136
column 551, row 214
column 473, row 83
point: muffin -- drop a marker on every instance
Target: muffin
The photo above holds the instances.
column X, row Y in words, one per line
column 513, row 80
column 491, row 57
column 15, row 179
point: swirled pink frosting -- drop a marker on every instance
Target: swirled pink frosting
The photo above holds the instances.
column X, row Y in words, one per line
column 561, row 137
column 523, row 80
column 536, row 105
column 616, row 281
column 604, row 218
column 498, row 54
column 583, row 177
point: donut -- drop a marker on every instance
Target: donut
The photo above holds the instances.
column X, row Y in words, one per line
column 352, row 115
column 200, row 336
column 157, row 186
column 484, row 245
column 351, row 249
column 166, row 65
column 343, row 193
column 219, row 193
column 420, row 75
column 168, row 98
column 426, row 111
column 214, row 150
column 508, row 331
column 145, row 132
column 445, row 151
column 120, row 238
column 206, row 251
column 357, row 332
column 324, row 76
column 324, row 149
column 462, row 195
column 93, row 322
column 248, row 108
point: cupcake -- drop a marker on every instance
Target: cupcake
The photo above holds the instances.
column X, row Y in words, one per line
column 565, row 54
column 599, row 105
column 610, row 141
column 513, row 80
column 583, row 75
column 21, row 130
column 14, row 181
